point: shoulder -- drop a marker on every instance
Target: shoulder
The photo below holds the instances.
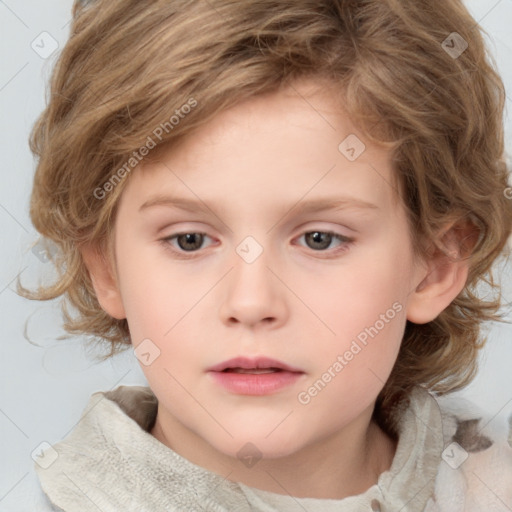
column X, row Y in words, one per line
column 475, row 472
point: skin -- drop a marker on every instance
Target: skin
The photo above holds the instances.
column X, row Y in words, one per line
column 300, row 302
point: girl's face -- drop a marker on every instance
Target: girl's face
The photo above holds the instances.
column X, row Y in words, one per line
column 297, row 251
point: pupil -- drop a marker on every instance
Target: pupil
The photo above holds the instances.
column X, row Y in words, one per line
column 188, row 238
column 317, row 235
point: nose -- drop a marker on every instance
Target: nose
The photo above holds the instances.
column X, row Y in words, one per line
column 254, row 294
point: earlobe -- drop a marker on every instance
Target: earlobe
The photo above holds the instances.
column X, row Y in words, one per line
column 436, row 291
column 104, row 283
column 444, row 275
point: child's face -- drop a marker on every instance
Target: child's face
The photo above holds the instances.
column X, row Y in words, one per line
column 335, row 310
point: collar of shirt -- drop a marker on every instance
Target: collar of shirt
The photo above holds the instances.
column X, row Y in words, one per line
column 111, row 462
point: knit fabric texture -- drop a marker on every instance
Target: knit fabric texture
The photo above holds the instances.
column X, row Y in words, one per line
column 449, row 458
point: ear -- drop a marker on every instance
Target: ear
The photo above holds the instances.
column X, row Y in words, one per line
column 103, row 280
column 444, row 273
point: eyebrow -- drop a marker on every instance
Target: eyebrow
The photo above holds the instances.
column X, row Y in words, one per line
column 315, row 205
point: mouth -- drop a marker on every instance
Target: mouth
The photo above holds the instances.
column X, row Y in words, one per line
column 257, row 377
column 252, row 371
column 255, row 366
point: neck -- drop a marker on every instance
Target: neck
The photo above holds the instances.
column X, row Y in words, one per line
column 344, row 464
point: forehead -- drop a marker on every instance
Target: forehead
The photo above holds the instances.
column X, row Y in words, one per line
column 286, row 145
column 306, row 109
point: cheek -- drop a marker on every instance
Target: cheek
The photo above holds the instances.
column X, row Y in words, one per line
column 363, row 309
column 161, row 301
column 356, row 293
column 148, row 290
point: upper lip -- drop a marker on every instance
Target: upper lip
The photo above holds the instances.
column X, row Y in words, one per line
column 253, row 363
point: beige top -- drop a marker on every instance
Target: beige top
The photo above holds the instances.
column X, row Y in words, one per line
column 110, row 462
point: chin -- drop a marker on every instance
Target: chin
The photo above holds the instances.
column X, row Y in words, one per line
column 258, row 446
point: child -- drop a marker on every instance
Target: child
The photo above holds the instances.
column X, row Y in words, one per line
column 283, row 375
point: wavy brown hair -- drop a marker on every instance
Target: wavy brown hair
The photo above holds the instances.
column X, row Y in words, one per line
column 129, row 64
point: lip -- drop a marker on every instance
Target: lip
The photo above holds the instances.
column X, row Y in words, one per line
column 255, row 384
column 248, row 363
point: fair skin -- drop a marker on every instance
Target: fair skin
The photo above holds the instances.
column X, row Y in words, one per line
column 300, row 301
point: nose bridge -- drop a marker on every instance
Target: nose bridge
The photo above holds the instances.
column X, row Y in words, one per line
column 252, row 276
column 253, row 292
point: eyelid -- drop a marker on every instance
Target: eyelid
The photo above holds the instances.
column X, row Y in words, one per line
column 177, row 252
column 179, row 233
column 344, row 243
column 301, row 231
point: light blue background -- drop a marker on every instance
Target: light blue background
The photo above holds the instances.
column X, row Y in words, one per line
column 45, row 388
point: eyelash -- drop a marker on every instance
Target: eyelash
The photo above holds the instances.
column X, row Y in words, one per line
column 346, row 243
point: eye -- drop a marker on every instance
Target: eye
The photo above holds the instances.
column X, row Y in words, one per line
column 187, row 242
column 317, row 240
column 320, row 240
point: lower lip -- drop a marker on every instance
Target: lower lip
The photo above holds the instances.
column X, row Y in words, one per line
column 255, row 384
